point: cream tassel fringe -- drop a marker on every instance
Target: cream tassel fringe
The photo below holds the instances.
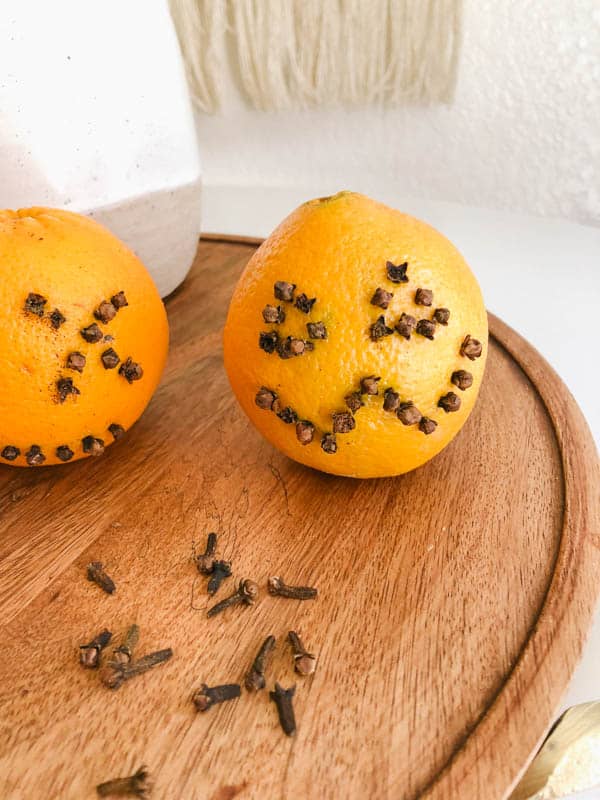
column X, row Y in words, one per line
column 307, row 53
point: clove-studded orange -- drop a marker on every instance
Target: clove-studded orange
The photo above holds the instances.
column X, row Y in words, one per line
column 83, row 337
column 356, row 338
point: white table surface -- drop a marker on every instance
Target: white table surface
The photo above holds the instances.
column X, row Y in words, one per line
column 541, row 276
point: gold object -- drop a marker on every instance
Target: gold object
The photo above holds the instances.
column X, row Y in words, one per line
column 569, row 759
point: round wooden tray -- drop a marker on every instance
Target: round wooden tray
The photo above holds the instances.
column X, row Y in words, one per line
column 453, row 601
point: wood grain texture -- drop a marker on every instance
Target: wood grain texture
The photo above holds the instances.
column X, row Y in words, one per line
column 453, row 601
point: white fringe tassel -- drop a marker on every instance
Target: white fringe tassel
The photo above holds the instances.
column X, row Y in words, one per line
column 307, row 53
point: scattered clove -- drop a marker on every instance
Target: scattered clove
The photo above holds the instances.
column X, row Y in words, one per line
column 305, row 431
column 391, row 400
column 397, row 273
column 110, row 358
column 283, row 699
column 255, row 677
column 56, row 319
column 379, row 329
column 354, row 401
column 105, row 312
column 116, row 430
column 343, row 422
column 449, row 402
column 92, row 333
column 471, row 348
column 89, row 654
column 124, row 652
column 75, row 361
column 381, row 298
column 304, row 303
column 426, row 328
column 328, row 443
column 290, row 346
column 34, row 304
column 119, row 300
column 265, row 398
column 296, row 346
column 462, row 379
column 278, row 588
column 423, row 297
column 220, row 571
column 427, row 425
column 316, row 330
column 405, row 325
column 139, row 785
column 273, row 315
column 370, row 385
column 205, row 561
column 97, row 574
column 64, row 452
column 268, row 340
column 34, row 456
column 246, row 594
column 441, row 316
column 116, row 673
column 287, row 415
column 131, row 370
column 92, row 446
column 209, row 696
column 284, row 291
column 65, row 387
column 10, row 452
column 408, row 413
column 305, row 663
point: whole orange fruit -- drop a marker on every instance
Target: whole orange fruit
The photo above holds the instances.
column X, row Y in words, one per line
column 83, row 337
column 356, row 338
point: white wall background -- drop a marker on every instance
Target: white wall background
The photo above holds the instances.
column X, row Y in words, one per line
column 523, row 132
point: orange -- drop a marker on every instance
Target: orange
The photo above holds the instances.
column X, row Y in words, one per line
column 83, row 337
column 382, row 393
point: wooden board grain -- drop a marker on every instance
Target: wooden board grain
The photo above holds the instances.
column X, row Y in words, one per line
column 453, row 601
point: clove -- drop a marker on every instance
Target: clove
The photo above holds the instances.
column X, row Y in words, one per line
column 408, row 413
column 304, row 303
column 205, row 561
column 116, row 430
column 278, row 588
column 305, row 663
column 441, row 316
column 381, row 298
column 328, row 443
column 471, row 348
column 397, row 273
column 97, row 574
column 119, row 300
column 92, row 446
column 370, row 385
column 284, row 291
column 124, row 652
column 92, row 333
column 34, row 456
column 10, row 452
column 423, row 297
column 391, row 400
column 89, row 654
column 316, row 330
column 287, row 415
column 449, row 402
column 110, row 358
column 65, row 387
column 462, row 379
column 305, row 431
column 265, row 398
column 34, row 304
column 139, row 785
column 105, row 312
column 131, row 370
column 75, row 361
column 273, row 315
column 405, row 325
column 246, row 594
column 354, row 401
column 220, row 571
column 56, row 319
column 427, row 425
column 255, row 677
column 283, row 699
column 426, row 328
column 343, row 422
column 209, row 696
column 64, row 452
column 378, row 330
column 116, row 673
column 268, row 340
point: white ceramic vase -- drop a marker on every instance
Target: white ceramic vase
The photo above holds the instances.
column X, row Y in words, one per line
column 95, row 117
